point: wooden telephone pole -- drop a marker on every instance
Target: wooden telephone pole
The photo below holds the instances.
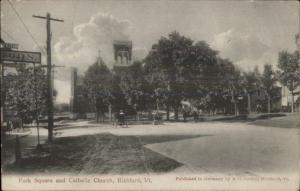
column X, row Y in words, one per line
column 49, row 72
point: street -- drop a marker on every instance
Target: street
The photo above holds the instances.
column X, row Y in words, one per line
column 151, row 95
column 208, row 147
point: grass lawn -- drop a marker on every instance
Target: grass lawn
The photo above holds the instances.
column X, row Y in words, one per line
column 98, row 154
column 289, row 121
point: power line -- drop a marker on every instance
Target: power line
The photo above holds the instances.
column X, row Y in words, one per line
column 49, row 74
column 26, row 28
column 9, row 36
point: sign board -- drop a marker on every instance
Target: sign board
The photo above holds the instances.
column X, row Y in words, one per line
column 298, row 40
column 20, row 56
column 9, row 45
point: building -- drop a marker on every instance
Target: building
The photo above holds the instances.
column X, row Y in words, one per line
column 259, row 100
column 79, row 106
column 122, row 56
column 286, row 100
column 122, row 64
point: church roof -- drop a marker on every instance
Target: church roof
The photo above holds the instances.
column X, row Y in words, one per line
column 125, row 43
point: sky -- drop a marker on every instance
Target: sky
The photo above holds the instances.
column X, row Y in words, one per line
column 249, row 33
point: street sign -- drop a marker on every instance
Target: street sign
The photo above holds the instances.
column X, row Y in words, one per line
column 9, row 45
column 20, row 56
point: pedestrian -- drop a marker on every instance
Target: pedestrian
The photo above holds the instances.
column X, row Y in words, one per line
column 184, row 114
column 122, row 119
column 195, row 115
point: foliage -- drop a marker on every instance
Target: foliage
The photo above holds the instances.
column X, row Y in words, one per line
column 135, row 88
column 250, row 81
column 97, row 87
column 268, row 79
column 289, row 73
column 180, row 69
column 20, row 94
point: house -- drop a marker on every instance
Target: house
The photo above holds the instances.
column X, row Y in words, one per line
column 259, row 100
column 286, row 99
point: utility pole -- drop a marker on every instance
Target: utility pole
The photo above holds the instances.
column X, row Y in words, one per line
column 2, row 96
column 49, row 72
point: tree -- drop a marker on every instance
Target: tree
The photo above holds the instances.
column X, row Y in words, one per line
column 97, row 84
column 236, row 89
column 159, row 85
column 289, row 73
column 26, row 92
column 227, row 86
column 179, row 69
column 168, row 58
column 201, row 76
column 135, row 87
column 250, row 81
column 268, row 82
column 185, row 71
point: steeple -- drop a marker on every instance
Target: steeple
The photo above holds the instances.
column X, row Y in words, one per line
column 122, row 53
column 99, row 57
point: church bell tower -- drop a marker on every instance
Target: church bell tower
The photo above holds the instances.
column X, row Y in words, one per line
column 122, row 55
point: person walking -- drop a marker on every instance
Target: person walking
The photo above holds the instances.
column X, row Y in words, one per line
column 195, row 115
column 122, row 119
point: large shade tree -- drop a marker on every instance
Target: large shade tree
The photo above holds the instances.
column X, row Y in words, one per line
column 183, row 70
column 98, row 84
column 289, row 73
column 25, row 92
column 200, row 75
column 227, row 85
column 168, row 58
column 250, row 82
column 135, row 88
column 268, row 80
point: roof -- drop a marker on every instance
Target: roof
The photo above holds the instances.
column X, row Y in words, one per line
column 122, row 43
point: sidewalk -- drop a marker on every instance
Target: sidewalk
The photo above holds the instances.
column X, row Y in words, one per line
column 244, row 117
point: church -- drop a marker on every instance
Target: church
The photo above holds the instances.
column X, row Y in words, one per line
column 79, row 106
column 122, row 56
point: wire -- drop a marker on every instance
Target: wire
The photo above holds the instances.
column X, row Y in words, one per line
column 9, row 36
column 26, row 28
column 74, row 12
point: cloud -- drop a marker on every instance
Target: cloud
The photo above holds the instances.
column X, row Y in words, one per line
column 139, row 53
column 266, row 58
column 245, row 50
column 82, row 48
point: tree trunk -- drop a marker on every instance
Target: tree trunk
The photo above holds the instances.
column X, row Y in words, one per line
column 50, row 134
column 168, row 112
column 176, row 113
column 109, row 112
column 150, row 115
column 249, row 103
column 269, row 104
column 235, row 109
column 97, row 116
column 292, row 92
